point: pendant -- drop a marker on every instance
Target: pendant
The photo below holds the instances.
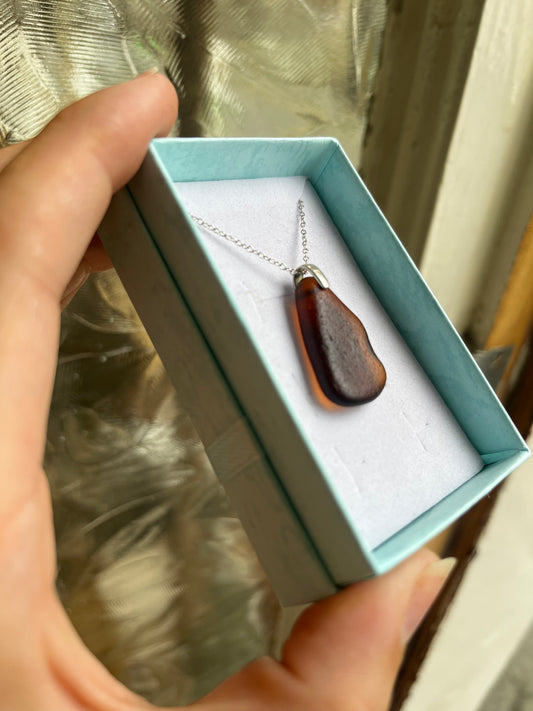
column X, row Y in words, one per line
column 346, row 367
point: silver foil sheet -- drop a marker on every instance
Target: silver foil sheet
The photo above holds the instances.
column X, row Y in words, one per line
column 154, row 569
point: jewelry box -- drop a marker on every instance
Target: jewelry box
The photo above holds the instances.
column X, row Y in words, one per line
column 327, row 495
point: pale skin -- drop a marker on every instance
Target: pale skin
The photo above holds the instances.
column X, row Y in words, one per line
column 344, row 652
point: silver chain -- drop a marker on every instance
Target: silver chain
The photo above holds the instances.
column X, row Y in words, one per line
column 258, row 253
column 303, row 232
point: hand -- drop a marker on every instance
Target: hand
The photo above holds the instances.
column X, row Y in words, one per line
column 343, row 653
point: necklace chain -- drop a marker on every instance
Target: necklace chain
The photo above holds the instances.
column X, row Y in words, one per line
column 303, row 232
column 258, row 253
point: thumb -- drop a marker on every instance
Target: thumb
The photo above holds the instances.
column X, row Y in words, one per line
column 349, row 647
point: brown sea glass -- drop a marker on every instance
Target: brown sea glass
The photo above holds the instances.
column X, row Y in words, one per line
column 345, row 365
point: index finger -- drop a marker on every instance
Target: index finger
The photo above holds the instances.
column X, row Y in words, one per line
column 53, row 195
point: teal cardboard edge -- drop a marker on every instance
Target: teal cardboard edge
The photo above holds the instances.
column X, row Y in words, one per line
column 500, row 456
column 284, row 547
column 195, row 266
column 431, row 336
column 286, row 156
column 429, row 333
column 417, row 533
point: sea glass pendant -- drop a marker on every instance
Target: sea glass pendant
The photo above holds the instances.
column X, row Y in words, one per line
column 346, row 367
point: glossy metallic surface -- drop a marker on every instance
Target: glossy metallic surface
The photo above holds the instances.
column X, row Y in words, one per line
column 310, row 269
column 154, row 569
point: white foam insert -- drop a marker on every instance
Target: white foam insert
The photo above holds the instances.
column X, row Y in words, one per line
column 390, row 459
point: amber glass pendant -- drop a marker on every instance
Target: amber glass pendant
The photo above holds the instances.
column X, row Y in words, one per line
column 346, row 367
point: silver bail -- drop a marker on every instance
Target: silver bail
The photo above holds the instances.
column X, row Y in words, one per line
column 310, row 270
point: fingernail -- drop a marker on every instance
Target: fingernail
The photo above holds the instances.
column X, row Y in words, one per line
column 148, row 72
column 425, row 592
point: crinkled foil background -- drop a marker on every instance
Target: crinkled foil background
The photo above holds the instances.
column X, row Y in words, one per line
column 154, row 568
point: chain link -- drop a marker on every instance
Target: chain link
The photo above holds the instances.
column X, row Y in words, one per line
column 258, row 253
column 303, row 231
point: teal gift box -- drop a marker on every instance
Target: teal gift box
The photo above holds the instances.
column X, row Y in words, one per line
column 326, row 496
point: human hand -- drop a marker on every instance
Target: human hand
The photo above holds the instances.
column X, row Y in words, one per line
column 344, row 652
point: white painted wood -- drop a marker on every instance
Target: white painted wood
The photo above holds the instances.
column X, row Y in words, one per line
column 492, row 611
column 491, row 141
